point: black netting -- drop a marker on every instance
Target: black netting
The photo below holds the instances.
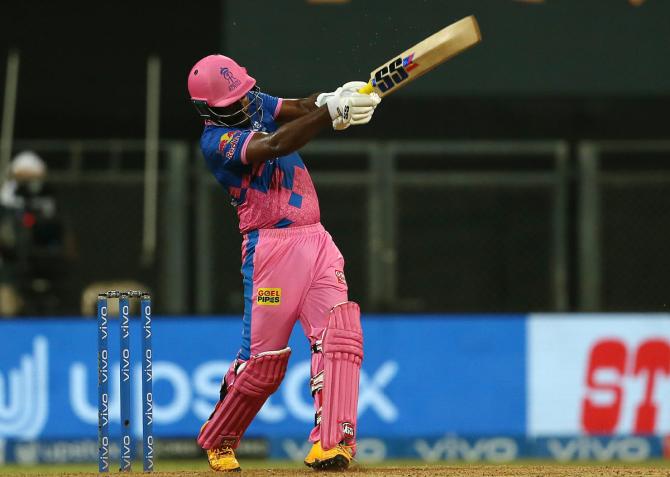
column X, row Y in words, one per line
column 474, row 249
column 634, row 239
column 104, row 220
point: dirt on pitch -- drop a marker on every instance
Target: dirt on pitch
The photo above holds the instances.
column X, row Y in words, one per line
column 546, row 470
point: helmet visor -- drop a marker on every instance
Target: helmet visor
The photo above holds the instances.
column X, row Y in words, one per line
column 233, row 116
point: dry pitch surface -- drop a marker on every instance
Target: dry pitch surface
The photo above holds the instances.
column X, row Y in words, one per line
column 394, row 468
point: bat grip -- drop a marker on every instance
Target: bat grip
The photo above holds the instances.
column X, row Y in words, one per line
column 367, row 89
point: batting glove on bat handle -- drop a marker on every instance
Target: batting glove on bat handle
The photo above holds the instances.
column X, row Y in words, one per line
column 350, row 105
column 322, row 99
column 351, row 87
column 367, row 89
column 340, row 125
column 360, row 107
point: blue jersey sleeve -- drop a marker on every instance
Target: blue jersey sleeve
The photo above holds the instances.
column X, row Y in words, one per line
column 225, row 151
column 271, row 105
column 233, row 146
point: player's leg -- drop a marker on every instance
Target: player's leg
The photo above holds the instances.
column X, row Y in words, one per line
column 245, row 389
column 335, row 389
column 274, row 284
column 332, row 325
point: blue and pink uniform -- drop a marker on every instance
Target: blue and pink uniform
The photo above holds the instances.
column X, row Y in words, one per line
column 275, row 194
column 291, row 268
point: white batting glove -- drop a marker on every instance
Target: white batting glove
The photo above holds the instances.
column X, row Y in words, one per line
column 349, row 108
column 363, row 118
column 323, row 97
column 355, row 86
column 340, row 125
column 351, row 86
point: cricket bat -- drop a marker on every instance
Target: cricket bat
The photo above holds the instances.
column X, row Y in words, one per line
column 423, row 57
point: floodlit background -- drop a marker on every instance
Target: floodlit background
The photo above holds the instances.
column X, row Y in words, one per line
column 483, row 213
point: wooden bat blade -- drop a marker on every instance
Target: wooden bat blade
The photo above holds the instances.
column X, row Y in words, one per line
column 424, row 56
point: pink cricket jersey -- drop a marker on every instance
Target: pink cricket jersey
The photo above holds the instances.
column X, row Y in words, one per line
column 274, row 194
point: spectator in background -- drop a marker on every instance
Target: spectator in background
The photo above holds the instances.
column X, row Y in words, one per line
column 32, row 240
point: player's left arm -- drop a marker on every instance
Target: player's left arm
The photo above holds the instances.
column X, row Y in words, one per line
column 296, row 108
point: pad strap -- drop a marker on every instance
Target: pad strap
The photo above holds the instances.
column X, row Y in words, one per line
column 316, row 383
column 258, row 378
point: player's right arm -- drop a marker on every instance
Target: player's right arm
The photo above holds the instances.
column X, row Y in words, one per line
column 288, row 138
column 296, row 108
column 351, row 108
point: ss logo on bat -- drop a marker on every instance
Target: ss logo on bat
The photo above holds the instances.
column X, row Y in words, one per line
column 394, row 73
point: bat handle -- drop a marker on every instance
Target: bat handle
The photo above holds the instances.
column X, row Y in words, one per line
column 367, row 89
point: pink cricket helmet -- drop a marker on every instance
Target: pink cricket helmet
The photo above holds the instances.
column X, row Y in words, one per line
column 219, row 81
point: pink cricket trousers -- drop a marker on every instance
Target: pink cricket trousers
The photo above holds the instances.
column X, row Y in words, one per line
column 289, row 274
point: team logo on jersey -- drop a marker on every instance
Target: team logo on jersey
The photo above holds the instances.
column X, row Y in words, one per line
column 232, row 81
column 268, row 296
column 230, row 139
column 339, row 274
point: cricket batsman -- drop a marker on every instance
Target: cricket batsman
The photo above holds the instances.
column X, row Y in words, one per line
column 291, row 268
